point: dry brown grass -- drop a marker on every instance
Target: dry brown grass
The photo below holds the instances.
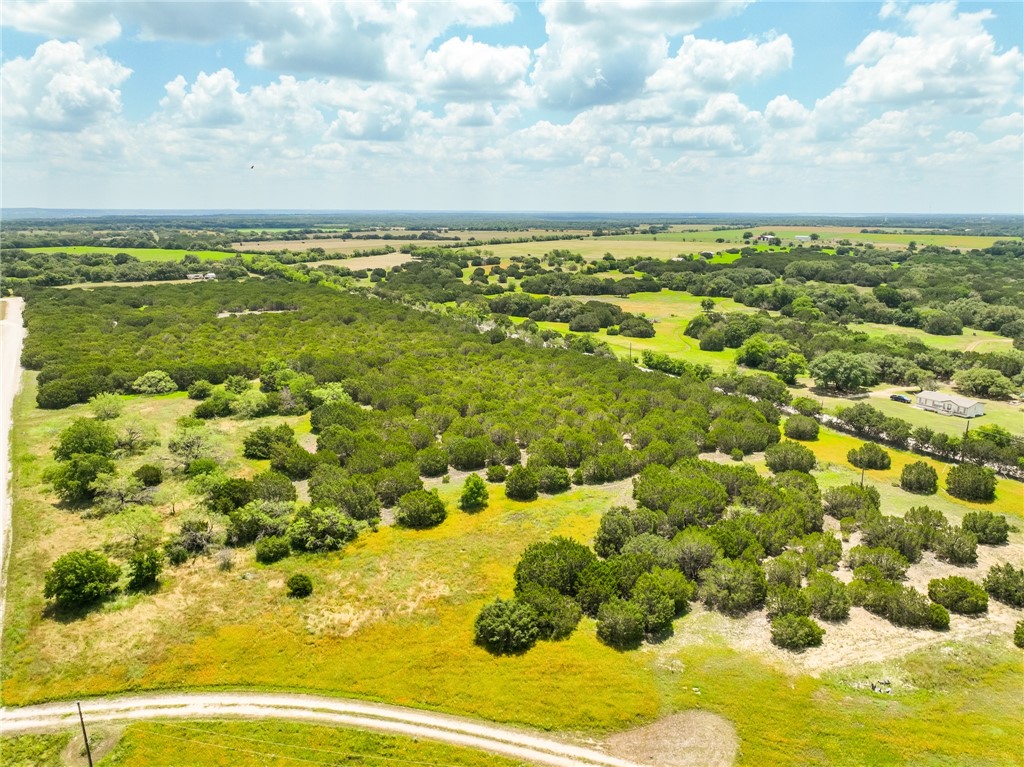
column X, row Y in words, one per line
column 690, row 739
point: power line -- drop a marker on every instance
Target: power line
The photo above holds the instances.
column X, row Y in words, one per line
column 345, row 754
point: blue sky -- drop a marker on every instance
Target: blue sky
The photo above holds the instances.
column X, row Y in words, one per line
column 717, row 105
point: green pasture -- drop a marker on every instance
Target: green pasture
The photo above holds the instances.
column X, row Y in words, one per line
column 143, row 254
column 972, row 340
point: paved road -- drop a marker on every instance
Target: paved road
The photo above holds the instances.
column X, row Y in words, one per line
column 11, row 334
column 517, row 744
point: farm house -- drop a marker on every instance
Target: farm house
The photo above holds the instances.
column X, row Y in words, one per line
column 950, row 404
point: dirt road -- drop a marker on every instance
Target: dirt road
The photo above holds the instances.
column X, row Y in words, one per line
column 517, row 744
column 11, row 335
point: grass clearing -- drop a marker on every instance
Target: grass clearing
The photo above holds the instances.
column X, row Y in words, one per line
column 274, row 743
column 143, row 254
column 44, row 750
column 971, row 341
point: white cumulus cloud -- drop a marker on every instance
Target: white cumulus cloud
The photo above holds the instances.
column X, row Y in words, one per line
column 62, row 87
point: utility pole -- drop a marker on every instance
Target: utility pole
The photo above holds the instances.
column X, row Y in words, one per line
column 862, row 477
column 88, row 751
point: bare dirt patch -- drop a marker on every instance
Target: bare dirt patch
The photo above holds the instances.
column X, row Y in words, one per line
column 689, row 739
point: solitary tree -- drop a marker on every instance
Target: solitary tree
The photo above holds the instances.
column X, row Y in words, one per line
column 474, row 494
column 79, row 578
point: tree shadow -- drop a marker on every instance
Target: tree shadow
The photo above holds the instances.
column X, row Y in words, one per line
column 658, row 637
column 72, row 613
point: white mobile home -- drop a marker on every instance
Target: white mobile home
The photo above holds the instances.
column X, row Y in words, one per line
column 950, row 404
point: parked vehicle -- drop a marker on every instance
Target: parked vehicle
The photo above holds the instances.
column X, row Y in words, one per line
column 900, row 398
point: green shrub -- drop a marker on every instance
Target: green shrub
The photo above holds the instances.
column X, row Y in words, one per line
column 620, row 623
column 895, row 533
column 74, row 480
column 801, row 427
column 988, row 528
column 316, row 529
column 201, row 466
column 957, row 546
column 930, row 523
column 474, row 494
column 149, row 475
column 85, row 436
column 852, row 500
column 806, row 406
column 553, row 479
column 919, row 477
column 787, row 600
column 656, row 604
column 733, row 587
column 420, row 509
column 795, row 632
column 1018, row 634
column 828, row 596
column 958, row 595
column 299, row 585
column 497, row 473
column 890, row 562
column 557, row 615
column 1005, row 583
column 557, row 564
column 144, row 568
column 869, row 456
column 522, row 484
column 432, row 461
column 272, row 548
column 200, row 390
column 260, row 443
column 154, row 382
column 106, row 406
column 79, row 578
column 789, row 456
column 971, row 483
column 505, row 627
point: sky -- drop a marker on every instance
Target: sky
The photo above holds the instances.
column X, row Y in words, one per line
column 696, row 106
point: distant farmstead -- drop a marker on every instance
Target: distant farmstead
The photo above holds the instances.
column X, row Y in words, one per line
column 207, row 276
column 765, row 238
column 950, row 404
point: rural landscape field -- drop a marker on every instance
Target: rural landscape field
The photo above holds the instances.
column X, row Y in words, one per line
column 412, row 384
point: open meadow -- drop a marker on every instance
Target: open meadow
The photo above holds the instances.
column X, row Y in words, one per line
column 143, row 254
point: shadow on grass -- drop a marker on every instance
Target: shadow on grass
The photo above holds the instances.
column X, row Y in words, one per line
column 63, row 613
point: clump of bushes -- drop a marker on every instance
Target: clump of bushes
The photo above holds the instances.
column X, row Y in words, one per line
column 970, row 482
column 522, row 484
column 421, row 509
column 988, row 528
column 1005, row 583
column 80, row 578
column 299, row 585
column 958, row 595
column 796, row 632
column 957, row 546
column 869, row 456
column 506, row 626
column 474, row 494
column 272, row 548
column 919, row 477
column 497, row 473
column 801, row 427
column 620, row 623
column 828, row 596
column 144, row 568
column 149, row 475
column 1018, row 634
column 789, row 456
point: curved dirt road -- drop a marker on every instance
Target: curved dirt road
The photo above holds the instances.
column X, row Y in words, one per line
column 11, row 334
column 517, row 744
